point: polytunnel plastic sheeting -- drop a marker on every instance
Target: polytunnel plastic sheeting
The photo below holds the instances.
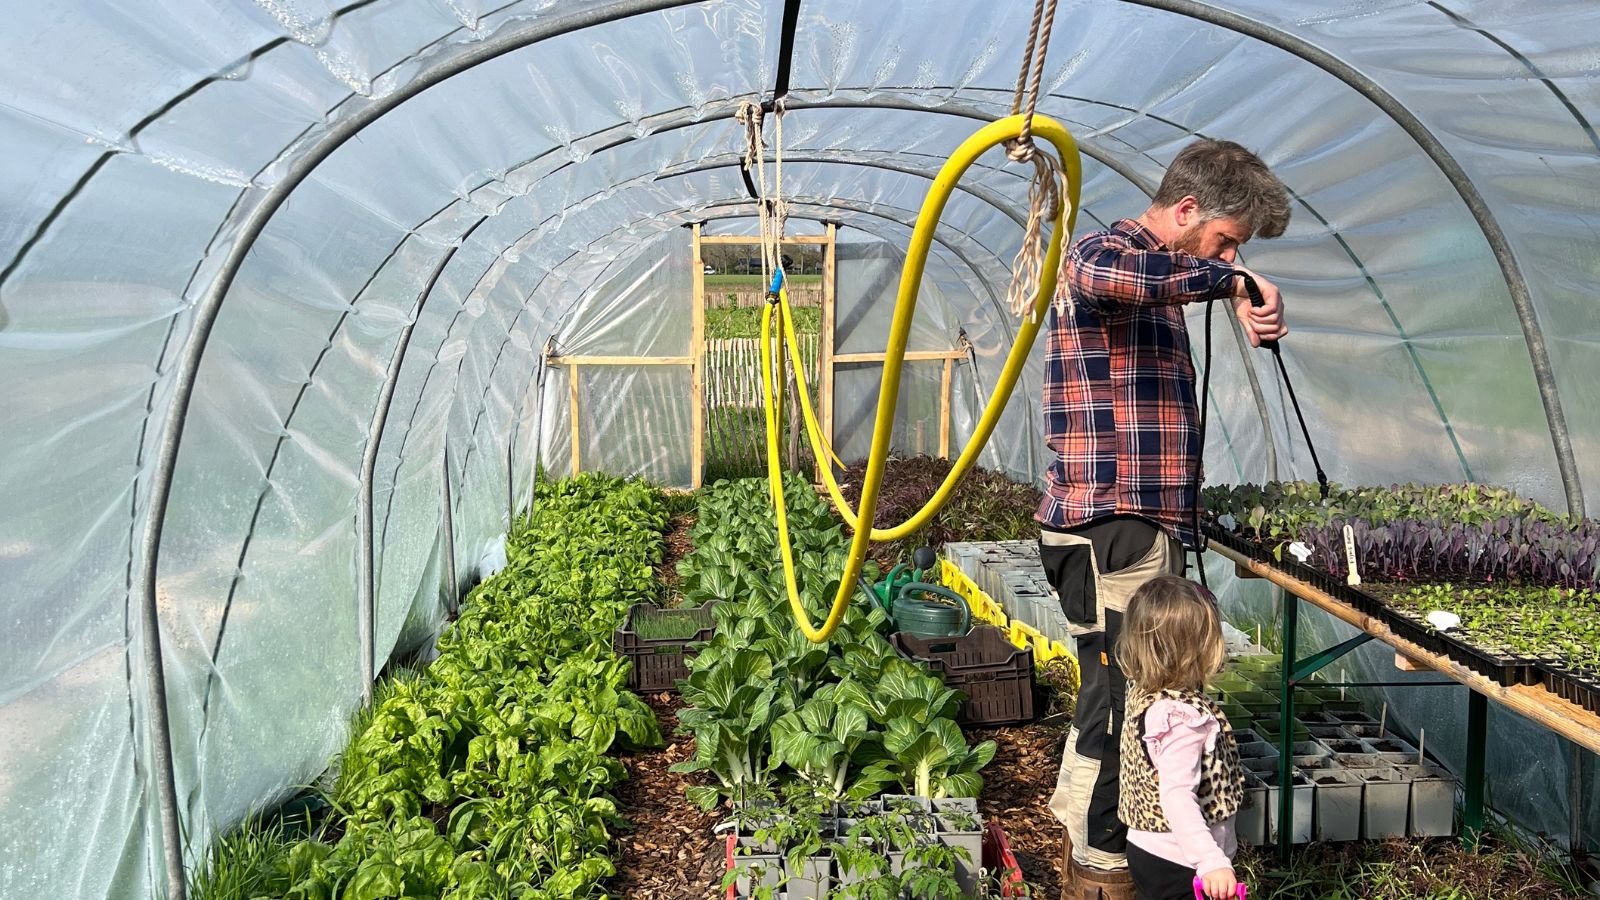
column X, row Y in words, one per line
column 868, row 278
column 577, row 250
column 1407, row 351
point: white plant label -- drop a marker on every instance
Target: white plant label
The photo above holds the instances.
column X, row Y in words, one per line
column 1354, row 578
column 1300, row 552
column 1443, row 619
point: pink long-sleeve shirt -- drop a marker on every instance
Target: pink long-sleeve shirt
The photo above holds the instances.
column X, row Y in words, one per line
column 1178, row 735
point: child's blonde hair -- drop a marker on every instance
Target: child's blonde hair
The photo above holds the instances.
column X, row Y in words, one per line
column 1171, row 636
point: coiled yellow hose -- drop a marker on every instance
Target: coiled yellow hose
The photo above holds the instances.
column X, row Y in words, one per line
column 991, row 135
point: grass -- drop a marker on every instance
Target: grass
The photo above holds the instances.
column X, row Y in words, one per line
column 745, row 321
column 756, row 280
column 1438, row 869
column 249, row 862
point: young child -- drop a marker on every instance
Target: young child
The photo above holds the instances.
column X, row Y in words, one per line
column 1181, row 779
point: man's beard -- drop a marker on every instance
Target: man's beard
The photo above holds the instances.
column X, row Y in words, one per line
column 1189, row 241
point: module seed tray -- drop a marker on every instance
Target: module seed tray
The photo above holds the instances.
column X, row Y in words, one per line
column 659, row 663
column 995, row 675
column 1412, row 627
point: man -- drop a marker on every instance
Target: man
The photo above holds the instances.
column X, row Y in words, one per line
column 1121, row 415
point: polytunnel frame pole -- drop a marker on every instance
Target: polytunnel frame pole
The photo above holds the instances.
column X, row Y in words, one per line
column 205, row 315
column 453, row 594
column 1488, row 224
column 366, row 573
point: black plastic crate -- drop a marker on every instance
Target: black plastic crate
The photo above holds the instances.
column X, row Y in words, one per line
column 995, row 675
column 659, row 663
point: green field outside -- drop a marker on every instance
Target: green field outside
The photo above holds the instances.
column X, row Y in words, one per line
column 756, row 281
column 745, row 321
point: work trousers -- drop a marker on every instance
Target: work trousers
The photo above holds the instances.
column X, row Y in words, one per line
column 1095, row 569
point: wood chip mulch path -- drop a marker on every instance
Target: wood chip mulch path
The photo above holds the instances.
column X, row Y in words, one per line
column 677, row 546
column 670, row 853
column 1016, row 792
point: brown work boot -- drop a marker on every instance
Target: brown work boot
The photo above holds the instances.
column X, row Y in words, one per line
column 1066, row 864
column 1099, row 884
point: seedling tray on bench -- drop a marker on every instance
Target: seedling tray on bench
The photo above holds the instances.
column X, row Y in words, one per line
column 1413, row 627
column 995, row 675
column 660, row 662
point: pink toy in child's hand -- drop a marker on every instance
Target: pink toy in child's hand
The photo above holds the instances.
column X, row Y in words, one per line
column 1200, row 889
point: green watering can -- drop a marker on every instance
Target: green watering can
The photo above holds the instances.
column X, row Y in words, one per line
column 917, row 606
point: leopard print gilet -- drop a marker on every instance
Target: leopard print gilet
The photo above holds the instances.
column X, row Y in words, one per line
column 1221, row 788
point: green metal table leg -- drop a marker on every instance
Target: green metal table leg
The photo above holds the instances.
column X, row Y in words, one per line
column 1477, row 739
column 1291, row 629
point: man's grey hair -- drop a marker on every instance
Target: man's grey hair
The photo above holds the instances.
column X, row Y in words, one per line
column 1227, row 181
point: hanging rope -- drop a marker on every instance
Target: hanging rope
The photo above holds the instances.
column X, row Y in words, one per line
column 1044, row 191
column 772, row 212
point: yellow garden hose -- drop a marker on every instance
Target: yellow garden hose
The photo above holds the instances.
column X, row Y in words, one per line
column 989, row 136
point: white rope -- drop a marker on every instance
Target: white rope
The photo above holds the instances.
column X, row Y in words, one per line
column 1046, row 187
column 772, row 213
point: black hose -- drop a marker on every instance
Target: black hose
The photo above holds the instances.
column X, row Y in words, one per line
column 1253, row 291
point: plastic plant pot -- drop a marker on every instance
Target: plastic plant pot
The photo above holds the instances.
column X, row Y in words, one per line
column 961, row 829
column 1385, row 802
column 1246, row 735
column 1318, row 717
column 1304, row 823
column 1433, row 800
column 1330, row 733
column 1257, row 750
column 1257, row 703
column 1261, row 765
column 1229, row 682
column 909, row 804
column 1306, row 702
column 1235, row 712
column 1310, row 754
column 758, row 870
column 1338, row 804
column 811, row 880
column 1352, row 747
column 1391, row 744
column 1251, row 823
column 1252, row 664
column 1269, row 729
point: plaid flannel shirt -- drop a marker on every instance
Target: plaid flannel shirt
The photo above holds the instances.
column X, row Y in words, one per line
column 1119, row 384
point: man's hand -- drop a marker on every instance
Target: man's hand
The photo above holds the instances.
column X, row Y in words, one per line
column 1261, row 323
column 1220, row 884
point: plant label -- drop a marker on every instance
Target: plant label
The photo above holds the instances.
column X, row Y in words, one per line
column 1353, row 578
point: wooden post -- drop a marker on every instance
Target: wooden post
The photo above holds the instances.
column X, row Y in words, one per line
column 825, row 343
column 697, row 365
column 572, row 404
column 944, row 409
